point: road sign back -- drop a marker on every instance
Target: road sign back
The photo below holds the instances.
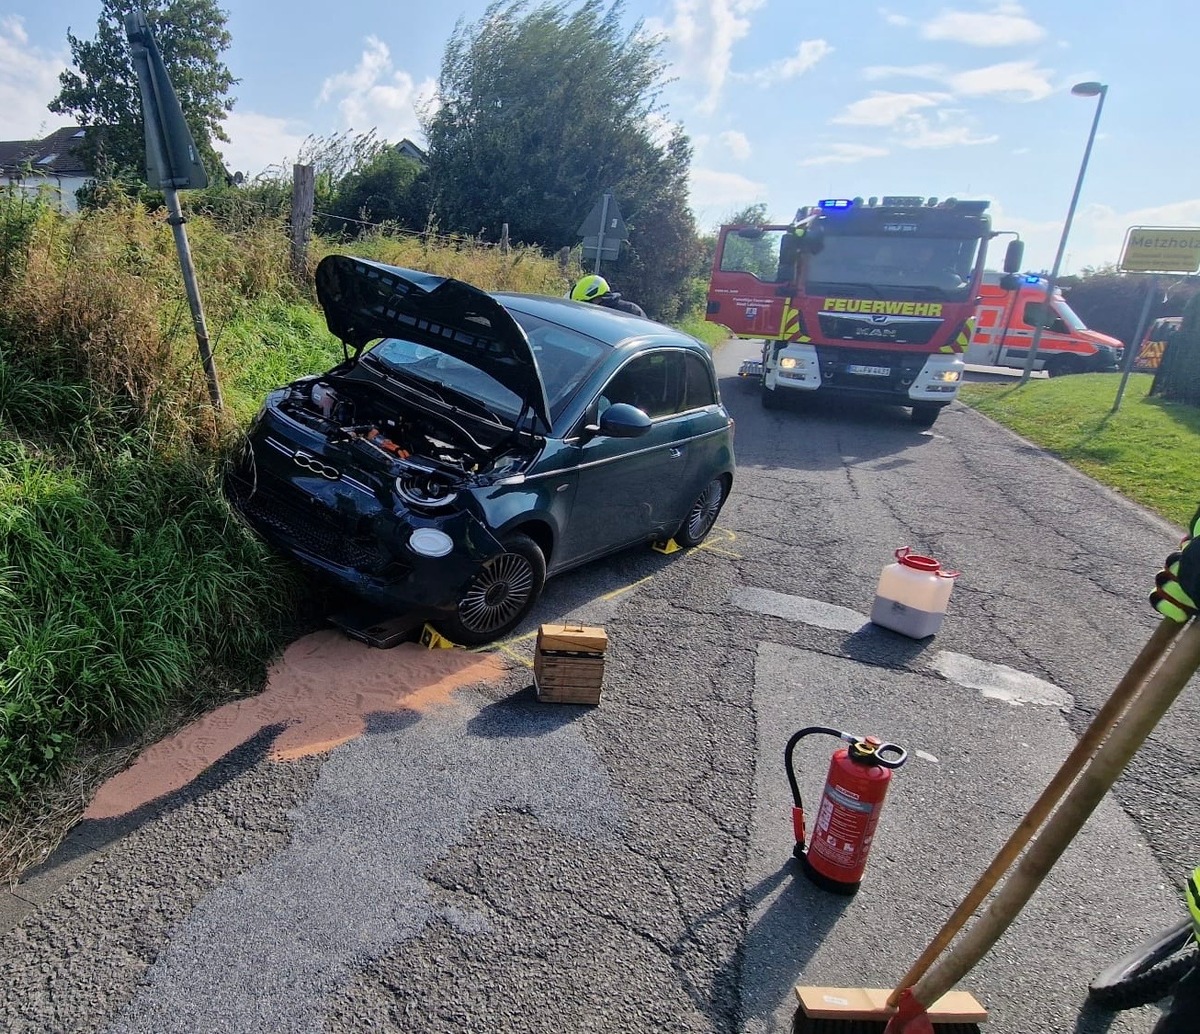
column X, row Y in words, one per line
column 610, row 215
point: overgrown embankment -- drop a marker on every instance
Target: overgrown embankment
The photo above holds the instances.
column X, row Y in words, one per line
column 128, row 592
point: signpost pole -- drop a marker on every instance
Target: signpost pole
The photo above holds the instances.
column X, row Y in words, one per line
column 172, row 164
column 600, row 239
column 1135, row 344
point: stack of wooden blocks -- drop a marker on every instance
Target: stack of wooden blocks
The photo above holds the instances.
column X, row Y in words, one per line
column 568, row 665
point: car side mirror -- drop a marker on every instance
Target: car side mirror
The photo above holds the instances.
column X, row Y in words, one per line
column 621, row 420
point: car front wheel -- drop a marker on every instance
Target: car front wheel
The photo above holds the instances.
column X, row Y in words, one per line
column 502, row 592
column 702, row 515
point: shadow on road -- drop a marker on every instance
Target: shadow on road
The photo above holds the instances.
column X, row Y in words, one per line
column 91, row 835
column 520, row 716
column 779, row 943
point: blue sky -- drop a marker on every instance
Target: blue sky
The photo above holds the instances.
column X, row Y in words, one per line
column 785, row 101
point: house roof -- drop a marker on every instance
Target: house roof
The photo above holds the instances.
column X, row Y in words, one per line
column 410, row 150
column 58, row 154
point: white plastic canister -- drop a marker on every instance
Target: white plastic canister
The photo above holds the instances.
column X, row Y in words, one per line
column 912, row 595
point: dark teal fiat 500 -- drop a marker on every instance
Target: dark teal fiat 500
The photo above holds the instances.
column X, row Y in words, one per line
column 472, row 444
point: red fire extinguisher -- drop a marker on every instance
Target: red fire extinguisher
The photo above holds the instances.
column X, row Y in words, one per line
column 849, row 812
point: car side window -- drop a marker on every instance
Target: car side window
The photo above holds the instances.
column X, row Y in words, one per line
column 699, row 391
column 654, row 383
column 1035, row 313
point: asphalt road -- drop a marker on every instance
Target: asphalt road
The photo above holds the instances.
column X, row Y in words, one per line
column 499, row 865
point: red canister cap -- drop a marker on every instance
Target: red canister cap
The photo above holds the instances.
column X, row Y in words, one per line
column 917, row 562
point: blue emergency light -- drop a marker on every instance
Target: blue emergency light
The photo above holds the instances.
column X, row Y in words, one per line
column 1032, row 279
column 841, row 202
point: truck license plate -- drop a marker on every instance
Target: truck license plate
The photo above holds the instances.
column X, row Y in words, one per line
column 870, row 371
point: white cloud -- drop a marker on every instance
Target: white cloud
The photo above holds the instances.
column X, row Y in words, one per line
column 28, row 82
column 808, row 53
column 712, row 189
column 1021, row 79
column 375, row 94
column 845, row 154
column 873, row 72
column 736, row 144
column 1005, row 25
column 702, row 36
column 893, row 18
column 258, row 142
column 918, row 132
column 886, row 109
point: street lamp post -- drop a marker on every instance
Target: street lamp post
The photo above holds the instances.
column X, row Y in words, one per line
column 1080, row 90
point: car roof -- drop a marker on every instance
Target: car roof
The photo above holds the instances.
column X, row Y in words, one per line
column 609, row 326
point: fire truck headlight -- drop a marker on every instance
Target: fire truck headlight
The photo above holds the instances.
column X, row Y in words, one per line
column 788, row 363
column 947, row 375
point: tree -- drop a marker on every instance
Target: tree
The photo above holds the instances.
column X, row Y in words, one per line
column 540, row 112
column 387, row 188
column 1111, row 302
column 102, row 91
column 1178, row 377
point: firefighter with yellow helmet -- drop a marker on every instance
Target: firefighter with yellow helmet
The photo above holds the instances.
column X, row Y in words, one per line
column 594, row 288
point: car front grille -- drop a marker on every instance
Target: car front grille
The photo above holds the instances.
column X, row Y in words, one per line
column 306, row 526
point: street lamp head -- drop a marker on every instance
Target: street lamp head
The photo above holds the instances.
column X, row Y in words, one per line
column 1088, row 89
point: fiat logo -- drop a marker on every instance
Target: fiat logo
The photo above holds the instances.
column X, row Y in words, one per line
column 311, row 463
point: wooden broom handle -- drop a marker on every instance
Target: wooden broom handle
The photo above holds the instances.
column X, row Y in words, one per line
column 1144, row 713
column 1105, row 718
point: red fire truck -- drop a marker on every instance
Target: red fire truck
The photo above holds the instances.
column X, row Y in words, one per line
column 871, row 299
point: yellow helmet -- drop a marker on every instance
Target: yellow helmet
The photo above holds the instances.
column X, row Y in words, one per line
column 589, row 288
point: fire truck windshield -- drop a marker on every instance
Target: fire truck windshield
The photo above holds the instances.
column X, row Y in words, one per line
column 893, row 264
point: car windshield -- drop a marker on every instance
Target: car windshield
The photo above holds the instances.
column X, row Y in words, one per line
column 565, row 359
column 944, row 264
column 443, row 371
column 1069, row 315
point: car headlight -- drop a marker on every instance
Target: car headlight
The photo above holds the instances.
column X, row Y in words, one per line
column 788, row 362
column 947, row 375
column 430, row 542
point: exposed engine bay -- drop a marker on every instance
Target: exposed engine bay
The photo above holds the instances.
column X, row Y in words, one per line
column 431, row 455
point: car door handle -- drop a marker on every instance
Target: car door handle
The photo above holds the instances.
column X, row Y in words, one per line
column 677, row 451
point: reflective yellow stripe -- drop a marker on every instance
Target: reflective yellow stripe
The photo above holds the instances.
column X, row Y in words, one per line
column 1193, row 900
column 790, row 323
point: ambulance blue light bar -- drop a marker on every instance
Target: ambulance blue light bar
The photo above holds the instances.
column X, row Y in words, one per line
column 840, row 202
column 1031, row 278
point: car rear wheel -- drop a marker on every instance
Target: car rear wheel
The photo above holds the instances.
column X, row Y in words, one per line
column 702, row 515
column 502, row 592
column 1061, row 365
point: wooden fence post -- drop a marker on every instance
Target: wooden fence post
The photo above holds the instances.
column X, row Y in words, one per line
column 303, row 191
column 504, row 239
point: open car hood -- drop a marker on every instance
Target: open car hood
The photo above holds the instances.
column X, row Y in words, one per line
column 365, row 300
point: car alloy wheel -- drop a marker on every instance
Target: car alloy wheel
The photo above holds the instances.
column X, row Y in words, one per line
column 500, row 595
column 703, row 514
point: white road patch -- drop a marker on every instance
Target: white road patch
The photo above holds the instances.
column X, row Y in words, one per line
column 1000, row 682
column 924, row 755
column 352, row 884
column 994, row 681
column 799, row 608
